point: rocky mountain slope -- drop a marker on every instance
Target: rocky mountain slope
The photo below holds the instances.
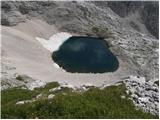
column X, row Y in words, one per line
column 134, row 41
column 134, row 26
column 18, row 12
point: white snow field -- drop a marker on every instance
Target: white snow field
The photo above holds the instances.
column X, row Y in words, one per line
column 55, row 41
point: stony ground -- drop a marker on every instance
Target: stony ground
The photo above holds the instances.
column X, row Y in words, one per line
column 145, row 95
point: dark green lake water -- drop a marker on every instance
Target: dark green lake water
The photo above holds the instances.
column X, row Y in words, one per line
column 85, row 55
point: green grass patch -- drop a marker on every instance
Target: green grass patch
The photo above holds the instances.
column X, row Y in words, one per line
column 94, row 103
column 13, row 95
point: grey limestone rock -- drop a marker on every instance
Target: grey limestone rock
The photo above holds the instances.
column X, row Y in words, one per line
column 146, row 97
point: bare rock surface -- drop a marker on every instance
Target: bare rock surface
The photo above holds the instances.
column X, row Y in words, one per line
column 25, row 82
column 144, row 94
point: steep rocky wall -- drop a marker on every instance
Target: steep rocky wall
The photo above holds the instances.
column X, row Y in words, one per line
column 148, row 10
column 150, row 17
column 15, row 12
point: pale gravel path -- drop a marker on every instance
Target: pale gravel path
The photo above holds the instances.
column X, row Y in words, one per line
column 31, row 58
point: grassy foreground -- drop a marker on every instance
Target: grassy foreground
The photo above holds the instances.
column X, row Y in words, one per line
column 94, row 103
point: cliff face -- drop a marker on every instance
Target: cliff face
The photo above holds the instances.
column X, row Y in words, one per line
column 133, row 24
column 148, row 12
column 16, row 12
column 150, row 17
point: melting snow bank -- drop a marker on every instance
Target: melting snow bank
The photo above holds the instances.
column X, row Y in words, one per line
column 55, row 41
column 145, row 95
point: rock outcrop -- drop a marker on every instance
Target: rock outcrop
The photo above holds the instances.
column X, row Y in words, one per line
column 148, row 12
column 145, row 95
column 23, row 81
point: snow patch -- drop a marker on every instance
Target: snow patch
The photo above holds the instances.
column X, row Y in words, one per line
column 55, row 41
column 56, row 65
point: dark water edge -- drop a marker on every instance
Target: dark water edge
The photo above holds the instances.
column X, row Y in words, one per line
column 85, row 55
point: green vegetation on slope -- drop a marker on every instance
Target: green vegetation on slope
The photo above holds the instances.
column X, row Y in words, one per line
column 47, row 87
column 94, row 103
